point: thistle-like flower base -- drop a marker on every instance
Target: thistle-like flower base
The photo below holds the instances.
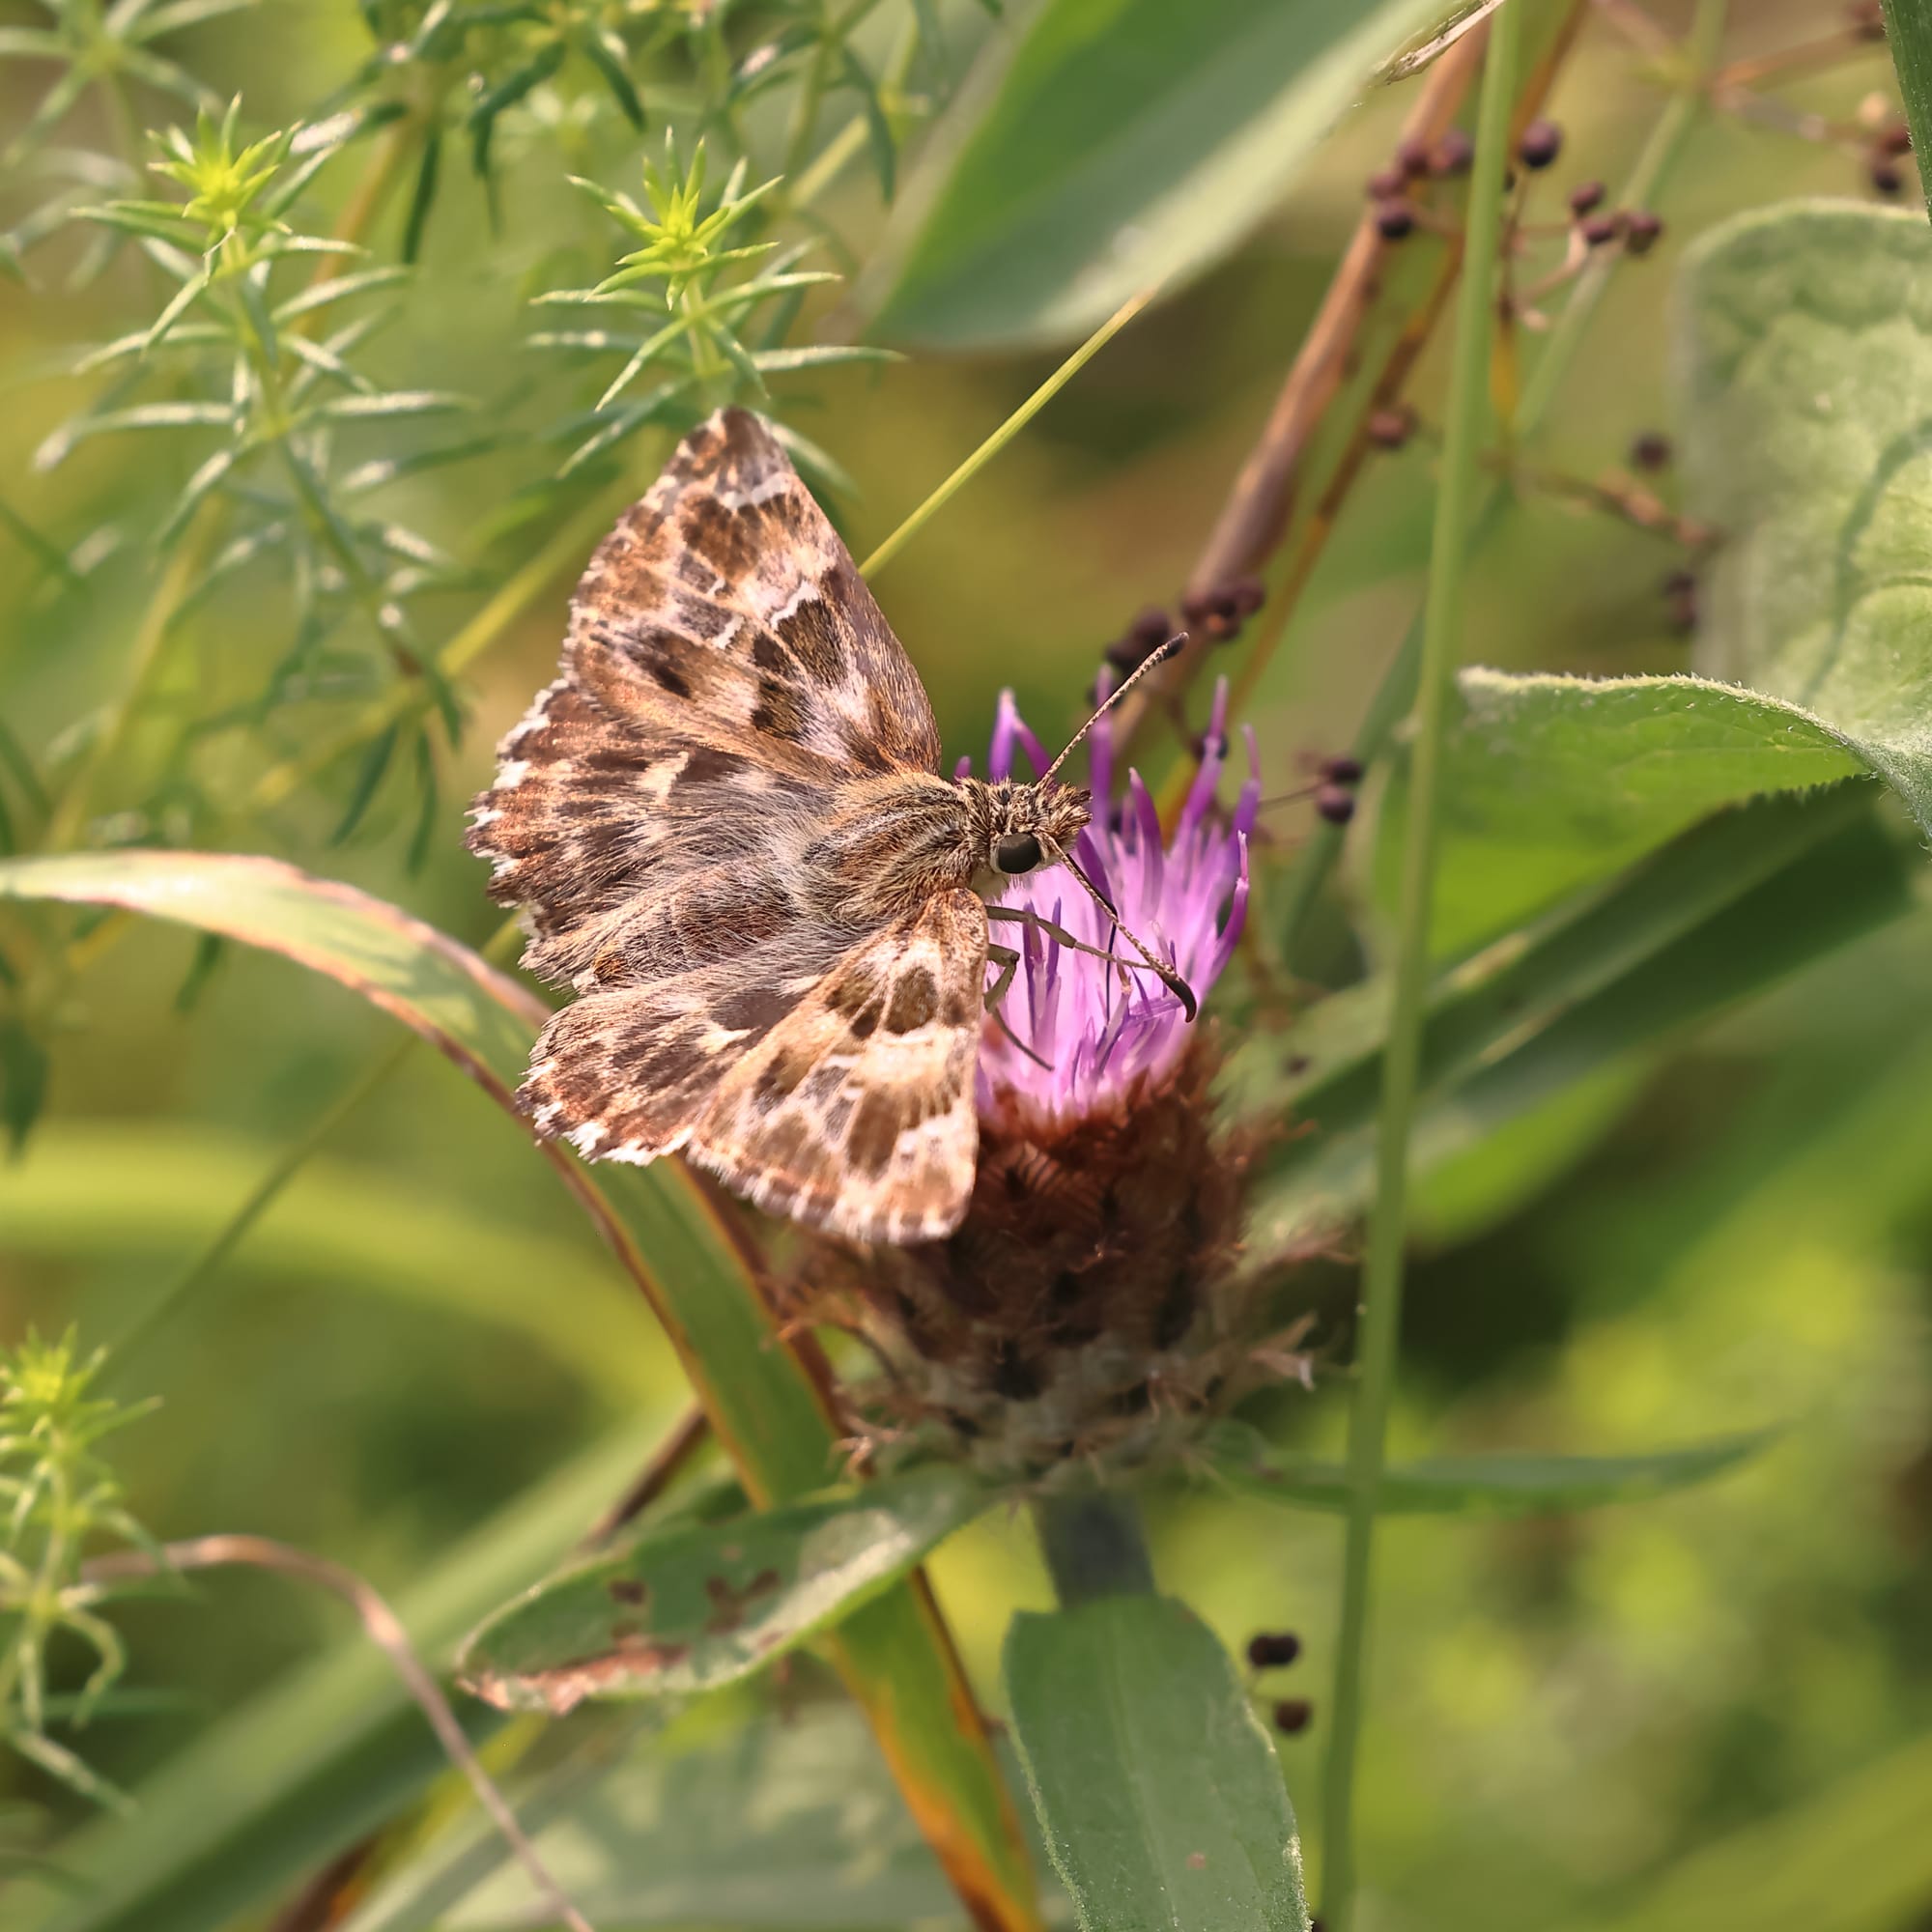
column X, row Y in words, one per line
column 1088, row 1309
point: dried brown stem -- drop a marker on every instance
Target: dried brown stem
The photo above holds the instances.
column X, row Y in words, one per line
column 1256, row 513
column 1806, row 57
column 384, row 1629
column 1259, row 512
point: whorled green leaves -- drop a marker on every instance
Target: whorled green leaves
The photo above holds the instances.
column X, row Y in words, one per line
column 700, row 1606
column 1115, row 145
column 1155, row 1784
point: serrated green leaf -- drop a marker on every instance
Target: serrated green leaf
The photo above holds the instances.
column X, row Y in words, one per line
column 1806, row 361
column 691, row 1609
column 1156, row 1787
column 1125, row 143
column 1497, row 1484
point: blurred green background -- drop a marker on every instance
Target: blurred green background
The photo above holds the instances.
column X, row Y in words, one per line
column 1569, row 1716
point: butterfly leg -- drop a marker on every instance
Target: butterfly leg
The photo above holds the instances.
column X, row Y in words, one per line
column 1008, row 961
column 1026, row 916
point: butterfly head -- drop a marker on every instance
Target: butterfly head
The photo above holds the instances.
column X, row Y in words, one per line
column 1017, row 829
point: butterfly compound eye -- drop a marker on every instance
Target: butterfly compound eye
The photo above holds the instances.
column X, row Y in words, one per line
column 1018, row 852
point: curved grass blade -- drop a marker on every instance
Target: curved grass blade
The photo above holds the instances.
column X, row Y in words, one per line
column 769, row 1411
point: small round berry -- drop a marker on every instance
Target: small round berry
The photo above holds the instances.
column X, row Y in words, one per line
column 1270, row 1649
column 1247, row 595
column 1335, row 803
column 1342, row 770
column 1586, row 196
column 1601, row 229
column 1640, row 229
column 1389, row 429
column 1454, row 152
column 1145, row 636
column 1886, row 177
column 1894, row 140
column 1539, row 144
column 1394, row 220
column 1651, row 450
column 1866, row 19
column 1412, row 157
column 1384, row 183
column 1292, row 1715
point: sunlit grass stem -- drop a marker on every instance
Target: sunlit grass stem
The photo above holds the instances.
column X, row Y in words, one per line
column 1005, row 434
column 1442, row 641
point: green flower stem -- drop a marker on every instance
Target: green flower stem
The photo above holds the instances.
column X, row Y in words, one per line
column 1441, row 640
column 1094, row 1546
column 1005, row 434
column 1687, row 106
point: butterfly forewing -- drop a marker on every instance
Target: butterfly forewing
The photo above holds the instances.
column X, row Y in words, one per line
column 730, row 697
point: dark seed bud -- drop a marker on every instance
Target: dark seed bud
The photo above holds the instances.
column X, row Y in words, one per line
column 1335, row 803
column 1599, row 229
column 1390, row 429
column 1886, row 177
column 1394, row 220
column 1145, row 636
column 1293, row 1715
column 1540, row 143
column 1866, row 19
column 1342, row 770
column 1640, row 229
column 1384, row 183
column 1651, row 450
column 1586, row 196
column 1247, row 595
column 1896, row 139
column 1453, row 153
column 1412, row 157
column 1271, row 1649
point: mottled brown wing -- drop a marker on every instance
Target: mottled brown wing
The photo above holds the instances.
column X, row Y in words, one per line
column 846, row 1099
column 726, row 675
column 725, row 667
column 855, row 1111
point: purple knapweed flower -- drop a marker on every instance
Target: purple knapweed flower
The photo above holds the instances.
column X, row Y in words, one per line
column 1078, row 1030
column 1087, row 1310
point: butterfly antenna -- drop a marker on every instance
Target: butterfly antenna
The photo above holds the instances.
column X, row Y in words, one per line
column 1151, row 662
column 1167, row 976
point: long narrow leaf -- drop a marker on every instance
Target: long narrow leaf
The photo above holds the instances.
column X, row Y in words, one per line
column 764, row 1406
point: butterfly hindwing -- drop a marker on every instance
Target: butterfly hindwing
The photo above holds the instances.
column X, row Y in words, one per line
column 855, row 1112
